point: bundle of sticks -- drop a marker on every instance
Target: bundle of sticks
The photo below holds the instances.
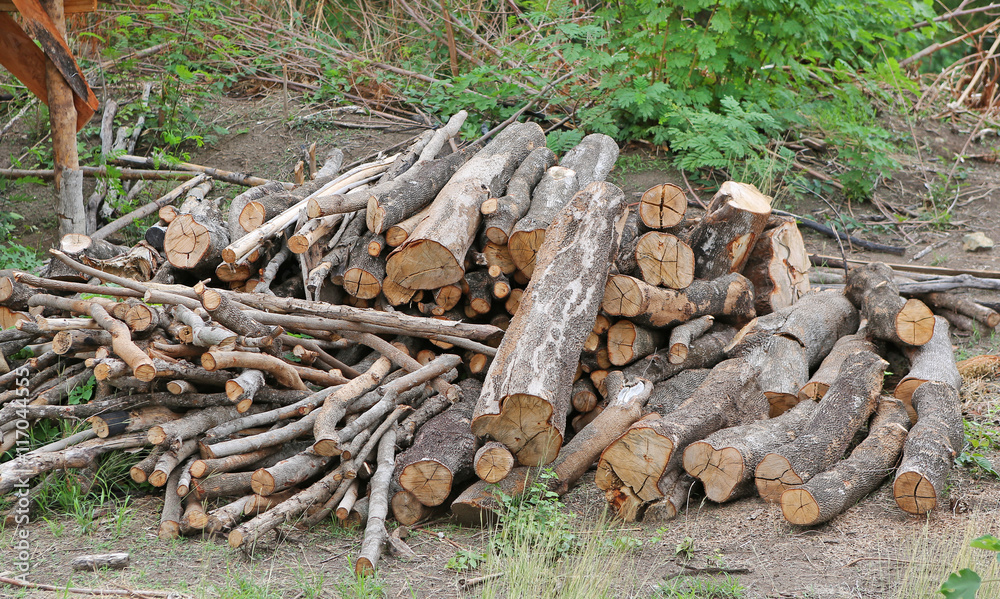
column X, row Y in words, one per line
column 418, row 332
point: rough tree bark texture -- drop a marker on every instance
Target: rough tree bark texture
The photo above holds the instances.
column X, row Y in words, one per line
column 722, row 240
column 933, row 361
column 930, row 448
column 837, row 489
column 848, row 345
column 844, row 409
column 502, row 213
column 725, row 460
column 705, row 352
column 526, row 395
column 872, row 290
column 729, row 296
column 778, row 266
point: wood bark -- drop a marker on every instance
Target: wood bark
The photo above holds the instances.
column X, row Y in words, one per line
column 948, row 301
column 526, row 395
column 400, row 232
column 109, row 561
column 848, row 345
column 843, row 410
column 784, row 373
column 778, row 266
column 729, row 296
column 835, row 490
column 195, row 240
column 192, row 424
column 434, row 254
column 930, row 448
column 335, row 406
column 364, row 273
column 682, row 335
column 114, row 423
column 725, row 460
column 378, row 507
column 670, row 394
column 170, row 516
column 478, row 504
column 283, row 372
column 705, row 352
column 500, row 214
column 816, row 322
column 664, row 260
column 933, row 361
column 442, row 455
column 652, row 448
column 662, row 206
column 872, row 290
column 722, row 240
column 254, row 194
column 288, row 473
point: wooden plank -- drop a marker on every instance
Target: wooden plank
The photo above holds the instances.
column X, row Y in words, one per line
column 70, row 6
column 836, row 262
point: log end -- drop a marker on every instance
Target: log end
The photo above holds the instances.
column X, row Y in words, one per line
column 638, row 459
column 497, row 235
column 157, row 478
column 423, row 264
column 199, row 469
column 814, row 391
column 262, row 482
column 719, row 470
column 493, row 462
column 915, row 323
column 327, row 447
column 429, row 480
column 145, row 372
column 780, row 402
column 914, row 493
column 622, row 296
column 662, row 206
column 186, row 242
column 525, row 425
column 407, row 509
column 798, row 506
column 523, row 247
column 361, row 284
column 138, row 474
column 235, row 538
column 678, row 353
column 169, row 530
column 773, row 475
column 156, row 435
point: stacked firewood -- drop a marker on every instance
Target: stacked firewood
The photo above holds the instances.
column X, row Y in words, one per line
column 419, row 331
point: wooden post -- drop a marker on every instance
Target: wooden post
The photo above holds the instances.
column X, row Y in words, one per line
column 62, row 116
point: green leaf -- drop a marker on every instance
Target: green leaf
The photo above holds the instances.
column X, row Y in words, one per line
column 963, row 584
column 987, row 542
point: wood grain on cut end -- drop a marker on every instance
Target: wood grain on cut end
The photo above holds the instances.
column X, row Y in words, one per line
column 638, row 458
column 523, row 426
column 407, row 509
column 361, row 284
column 622, row 296
column 425, row 265
column 720, row 471
column 798, row 506
column 773, row 475
column 665, row 260
column 429, row 480
column 914, row 494
column 915, row 322
column 662, row 206
column 493, row 462
column 186, row 242
column 523, row 247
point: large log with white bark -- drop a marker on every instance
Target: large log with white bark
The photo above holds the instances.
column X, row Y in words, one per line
column 873, row 291
column 723, row 238
column 930, row 449
column 729, row 297
column 434, row 254
column 844, row 409
column 835, row 490
column 526, row 394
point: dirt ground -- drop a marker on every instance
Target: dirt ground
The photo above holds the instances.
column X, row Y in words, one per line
column 864, row 553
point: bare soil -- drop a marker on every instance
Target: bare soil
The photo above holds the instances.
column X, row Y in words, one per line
column 863, row 553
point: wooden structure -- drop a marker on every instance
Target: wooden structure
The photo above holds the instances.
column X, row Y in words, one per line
column 49, row 71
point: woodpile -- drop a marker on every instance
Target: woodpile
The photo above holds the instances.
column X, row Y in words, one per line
column 408, row 336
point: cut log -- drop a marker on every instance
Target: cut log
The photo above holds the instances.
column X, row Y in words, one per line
column 378, row 507
column 480, row 291
column 948, row 301
column 442, row 455
column 526, row 395
column 725, row 460
column 478, row 504
column 670, row 394
column 109, row 561
column 729, row 296
column 400, row 232
column 872, row 290
column 848, row 345
column 676, row 488
column 195, row 240
column 207, row 467
column 122, row 344
column 706, row 351
column 501, row 214
column 493, row 462
column 584, row 396
column 664, row 260
column 722, row 240
column 288, row 473
column 236, row 228
column 930, row 448
column 625, row 263
column 662, row 206
column 785, row 372
column 844, row 409
column 816, row 322
column 434, row 254
column 778, row 266
column 15, row 295
column 170, row 516
column 652, row 448
column 933, row 361
column 335, row 406
column 591, row 160
column 139, row 419
column 282, row 372
column 683, row 334
column 364, row 273
column 835, row 490
column 628, row 342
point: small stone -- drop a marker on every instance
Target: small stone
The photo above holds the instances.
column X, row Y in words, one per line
column 976, row 241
